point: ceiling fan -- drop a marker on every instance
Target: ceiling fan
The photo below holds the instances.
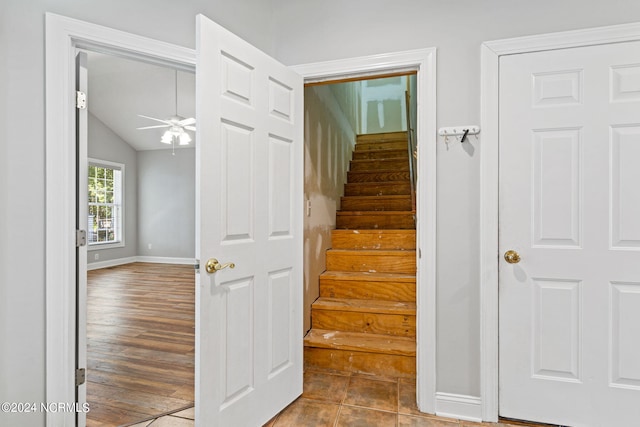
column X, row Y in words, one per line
column 176, row 124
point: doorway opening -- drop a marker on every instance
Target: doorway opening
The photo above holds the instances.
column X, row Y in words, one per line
column 360, row 181
column 140, row 221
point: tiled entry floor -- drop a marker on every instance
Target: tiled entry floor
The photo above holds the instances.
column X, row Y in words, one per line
column 347, row 400
column 353, row 400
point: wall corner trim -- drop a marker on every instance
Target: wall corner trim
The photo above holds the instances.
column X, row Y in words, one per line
column 460, row 406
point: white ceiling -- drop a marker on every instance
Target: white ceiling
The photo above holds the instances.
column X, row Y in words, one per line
column 120, row 89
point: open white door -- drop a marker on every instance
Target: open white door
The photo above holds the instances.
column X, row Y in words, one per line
column 82, row 136
column 249, row 183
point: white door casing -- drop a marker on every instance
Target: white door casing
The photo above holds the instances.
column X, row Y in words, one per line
column 63, row 37
column 423, row 61
column 249, row 181
column 569, row 149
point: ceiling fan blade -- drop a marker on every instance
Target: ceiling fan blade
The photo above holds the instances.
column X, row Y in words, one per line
column 185, row 122
column 154, row 127
column 157, row 120
column 193, row 128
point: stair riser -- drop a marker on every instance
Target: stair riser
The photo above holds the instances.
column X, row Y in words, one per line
column 373, row 323
column 385, row 145
column 374, row 165
column 402, row 263
column 378, row 204
column 383, row 240
column 374, row 176
column 377, row 189
column 385, row 291
column 385, row 136
column 360, row 362
column 390, row 222
column 380, row 154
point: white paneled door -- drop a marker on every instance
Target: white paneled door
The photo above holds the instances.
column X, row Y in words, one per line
column 570, row 208
column 249, row 316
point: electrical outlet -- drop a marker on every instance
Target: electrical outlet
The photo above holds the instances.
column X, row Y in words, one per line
column 308, row 207
column 96, row 257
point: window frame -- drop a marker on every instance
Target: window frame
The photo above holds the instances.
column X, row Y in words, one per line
column 94, row 246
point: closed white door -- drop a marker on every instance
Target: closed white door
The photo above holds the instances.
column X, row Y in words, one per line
column 249, row 179
column 570, row 207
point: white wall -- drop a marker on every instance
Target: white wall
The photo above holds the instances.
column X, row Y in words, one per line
column 333, row 29
column 104, row 144
column 329, row 137
column 22, row 148
column 166, row 203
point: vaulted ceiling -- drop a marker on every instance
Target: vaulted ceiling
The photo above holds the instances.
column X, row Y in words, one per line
column 120, row 89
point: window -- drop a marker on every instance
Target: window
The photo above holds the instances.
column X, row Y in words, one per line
column 105, row 204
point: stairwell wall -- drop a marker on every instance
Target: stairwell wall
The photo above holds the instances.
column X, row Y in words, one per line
column 335, row 29
column 329, row 137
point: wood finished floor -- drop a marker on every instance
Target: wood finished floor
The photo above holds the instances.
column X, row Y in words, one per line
column 140, row 342
column 140, row 336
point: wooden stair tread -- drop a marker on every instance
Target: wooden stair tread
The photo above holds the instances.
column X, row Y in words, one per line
column 362, row 342
column 389, row 231
column 384, row 136
column 380, row 154
column 384, row 161
column 365, row 306
column 373, row 252
column 378, row 175
column 381, row 213
column 387, row 197
column 369, row 276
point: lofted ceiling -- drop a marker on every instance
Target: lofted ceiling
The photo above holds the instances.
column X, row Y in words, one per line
column 120, row 89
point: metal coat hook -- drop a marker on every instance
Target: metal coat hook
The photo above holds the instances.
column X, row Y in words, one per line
column 464, row 135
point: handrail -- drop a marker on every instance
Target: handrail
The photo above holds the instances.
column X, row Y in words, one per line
column 412, row 148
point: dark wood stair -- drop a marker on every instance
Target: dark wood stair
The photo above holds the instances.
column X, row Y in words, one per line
column 365, row 318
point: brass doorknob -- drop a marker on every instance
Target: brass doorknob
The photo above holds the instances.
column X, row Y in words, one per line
column 213, row 265
column 512, row 257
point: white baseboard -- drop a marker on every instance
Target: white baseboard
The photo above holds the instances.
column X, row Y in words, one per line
column 460, row 406
column 111, row 263
column 151, row 259
column 166, row 260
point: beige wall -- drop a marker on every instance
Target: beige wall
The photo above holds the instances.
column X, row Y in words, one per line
column 328, row 139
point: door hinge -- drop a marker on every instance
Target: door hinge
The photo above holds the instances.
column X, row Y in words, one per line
column 196, row 266
column 81, row 238
column 81, row 375
column 81, row 100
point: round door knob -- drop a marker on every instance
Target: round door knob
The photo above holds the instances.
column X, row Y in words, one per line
column 512, row 257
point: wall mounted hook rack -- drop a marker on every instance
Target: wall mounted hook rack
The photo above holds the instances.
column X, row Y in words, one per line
column 459, row 131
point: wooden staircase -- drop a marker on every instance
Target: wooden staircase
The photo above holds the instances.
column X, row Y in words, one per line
column 365, row 318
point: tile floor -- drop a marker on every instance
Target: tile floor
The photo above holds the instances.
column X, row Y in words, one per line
column 346, row 400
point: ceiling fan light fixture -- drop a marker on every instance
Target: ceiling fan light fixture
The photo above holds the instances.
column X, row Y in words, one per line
column 167, row 137
column 185, row 139
column 177, row 125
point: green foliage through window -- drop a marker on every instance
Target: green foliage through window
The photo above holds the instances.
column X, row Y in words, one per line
column 105, row 204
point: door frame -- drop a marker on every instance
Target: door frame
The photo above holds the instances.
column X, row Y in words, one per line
column 424, row 62
column 489, row 181
column 63, row 36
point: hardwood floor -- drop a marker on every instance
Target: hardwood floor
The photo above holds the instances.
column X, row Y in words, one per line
column 140, row 342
